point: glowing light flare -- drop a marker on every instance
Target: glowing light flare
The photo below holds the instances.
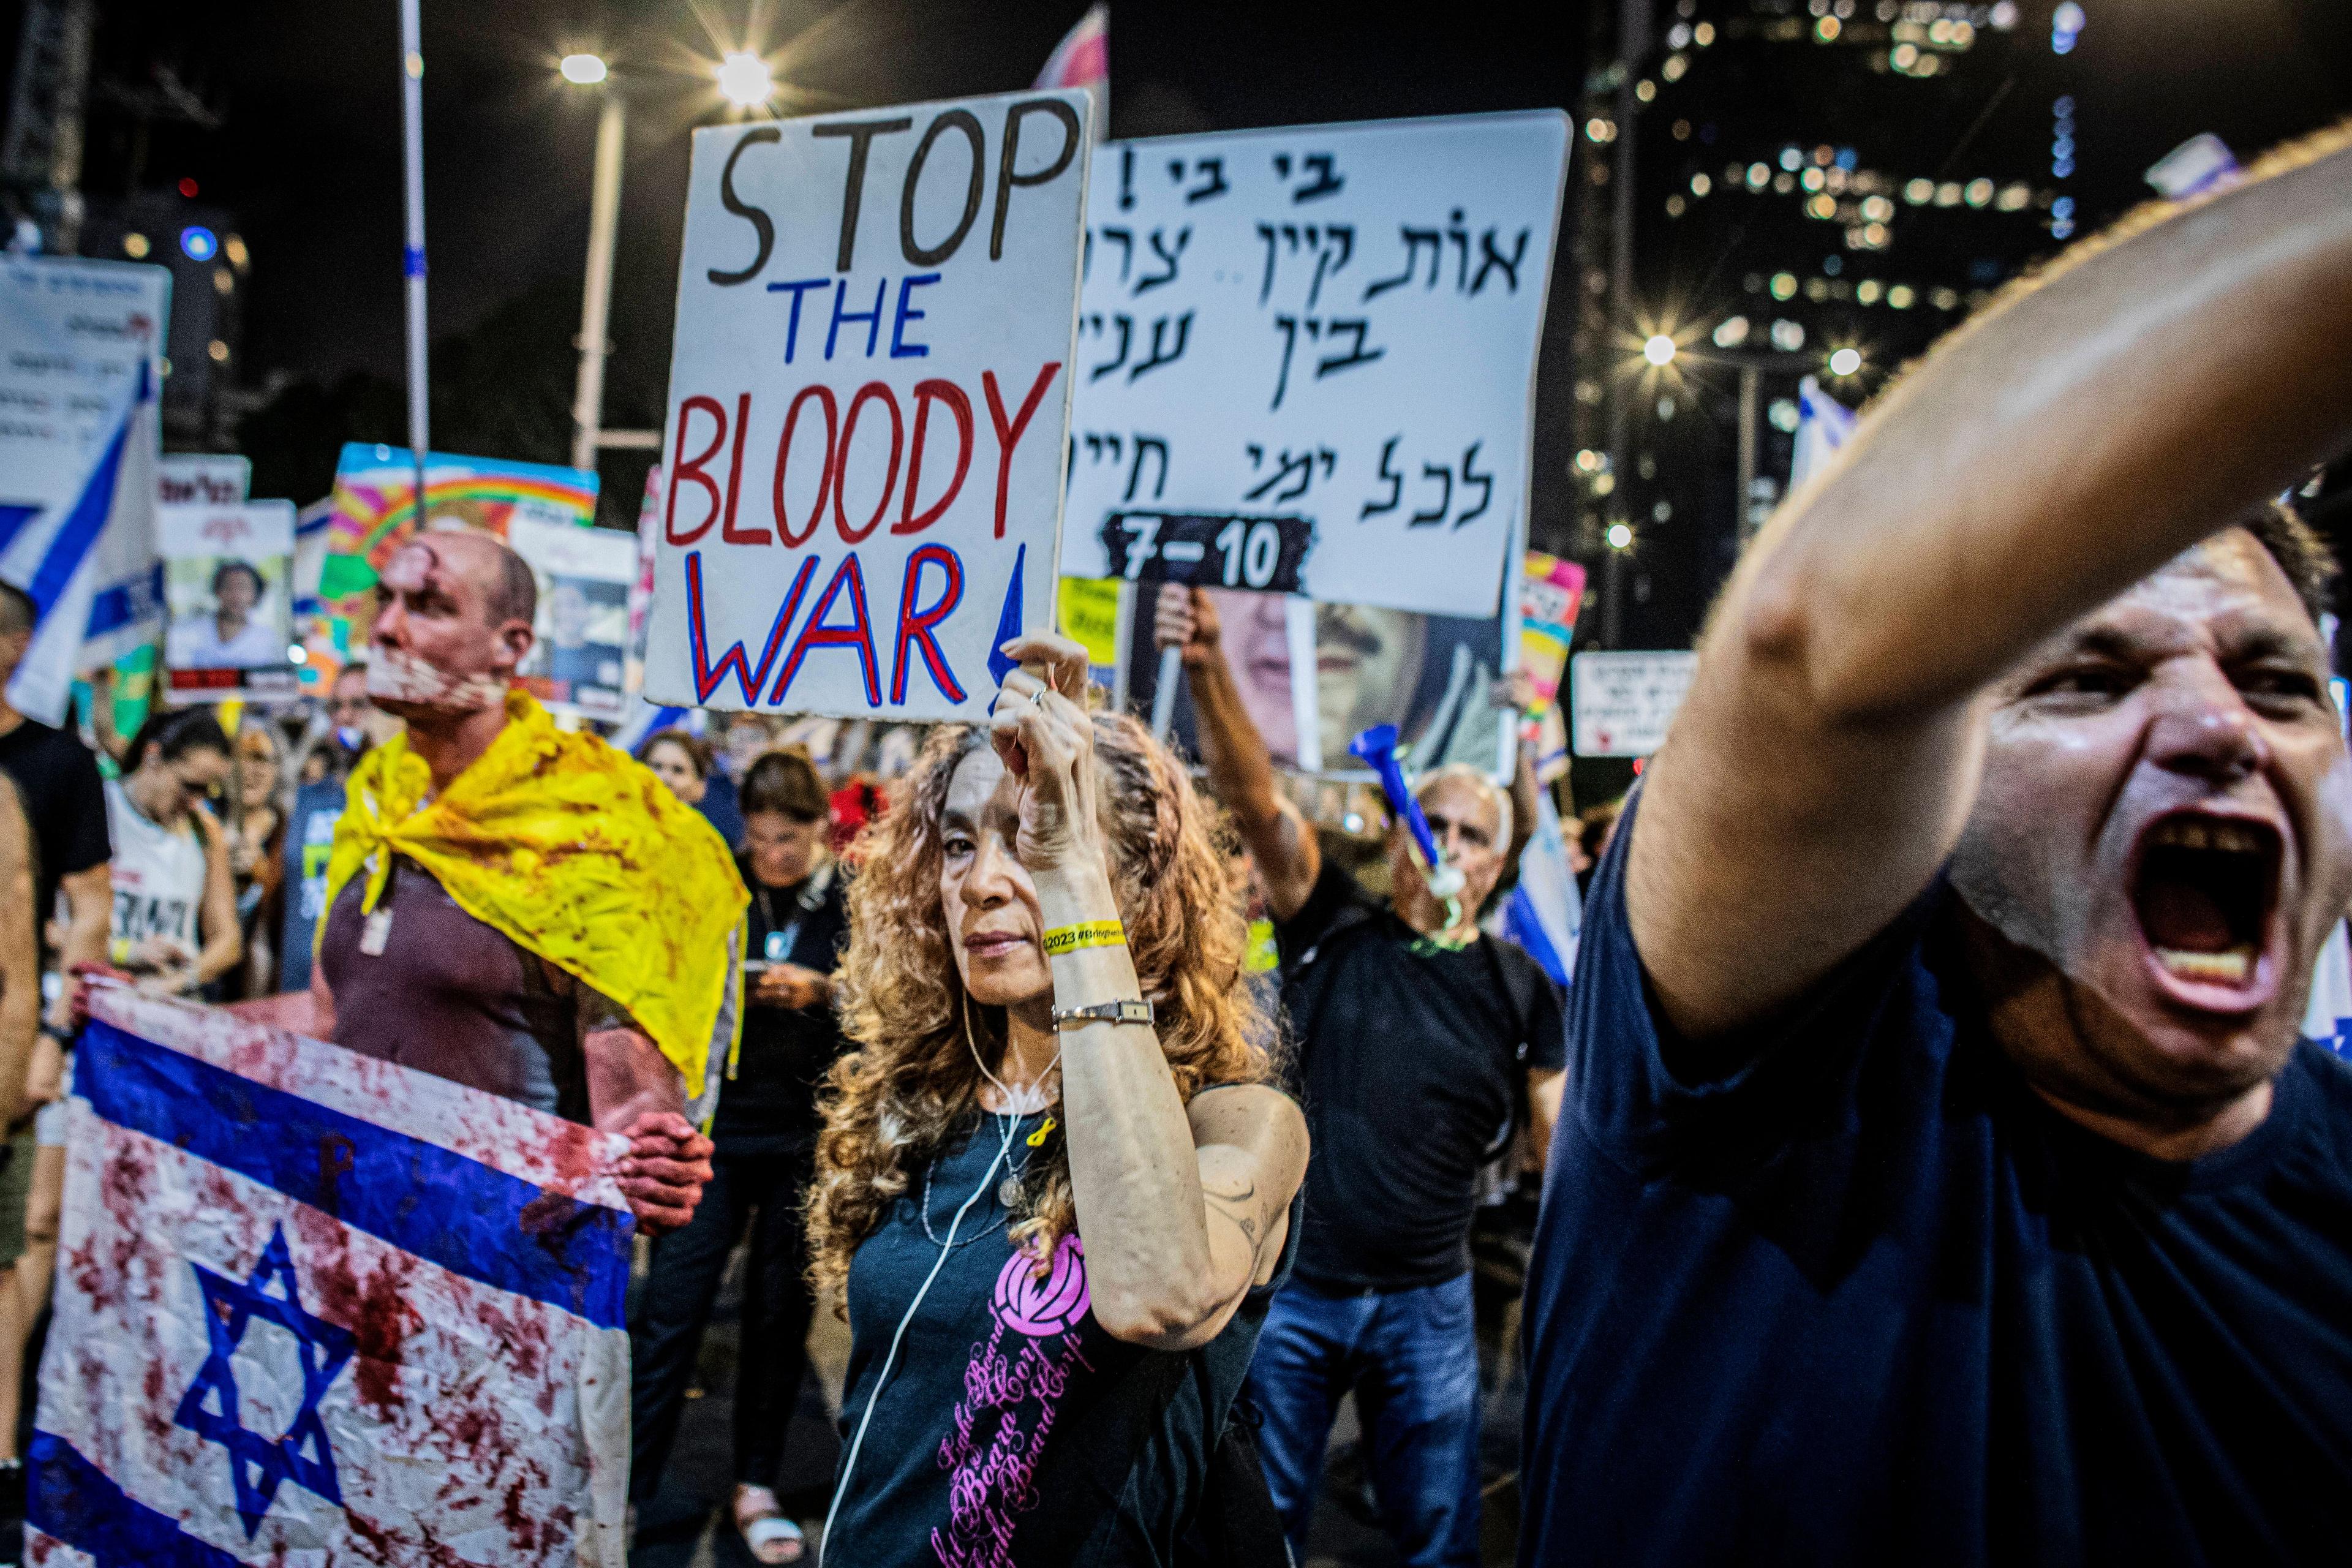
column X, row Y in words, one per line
column 1620, row 536
column 1659, row 349
column 744, row 80
column 1845, row 361
column 584, row 69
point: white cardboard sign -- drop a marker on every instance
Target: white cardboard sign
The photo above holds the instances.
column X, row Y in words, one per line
column 1306, row 358
column 869, row 397
column 1622, row 702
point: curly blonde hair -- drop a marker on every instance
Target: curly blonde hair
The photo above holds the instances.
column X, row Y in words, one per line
column 911, row 1086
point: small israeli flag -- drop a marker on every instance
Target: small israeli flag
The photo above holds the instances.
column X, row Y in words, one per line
column 89, row 564
column 313, row 1308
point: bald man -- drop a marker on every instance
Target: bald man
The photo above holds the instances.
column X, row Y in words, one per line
column 418, row 980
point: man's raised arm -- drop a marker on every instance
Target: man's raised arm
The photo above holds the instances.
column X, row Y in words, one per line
column 2149, row 390
column 1241, row 772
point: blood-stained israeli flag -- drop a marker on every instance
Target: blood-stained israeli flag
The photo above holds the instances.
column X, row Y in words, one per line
column 318, row 1309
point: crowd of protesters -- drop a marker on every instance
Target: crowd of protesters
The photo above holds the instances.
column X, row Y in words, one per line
column 1942, row 1179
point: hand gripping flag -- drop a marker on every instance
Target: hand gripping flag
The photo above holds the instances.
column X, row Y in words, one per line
column 317, row 1308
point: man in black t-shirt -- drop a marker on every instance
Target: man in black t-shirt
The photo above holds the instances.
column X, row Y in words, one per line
column 64, row 800
column 1418, row 1041
column 1944, row 1181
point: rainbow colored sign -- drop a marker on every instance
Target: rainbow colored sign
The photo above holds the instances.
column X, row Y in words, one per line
column 373, row 512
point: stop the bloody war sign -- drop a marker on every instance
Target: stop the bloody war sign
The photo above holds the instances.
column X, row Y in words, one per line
column 869, row 399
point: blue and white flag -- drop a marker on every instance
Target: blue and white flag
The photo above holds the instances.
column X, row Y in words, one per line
column 83, row 374
column 2327, row 1012
column 1823, row 426
column 1544, row 914
column 317, row 1308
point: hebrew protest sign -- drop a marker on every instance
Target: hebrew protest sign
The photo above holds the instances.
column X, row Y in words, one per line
column 228, row 586
column 315, row 1307
column 1306, row 358
column 212, row 479
column 1621, row 703
column 870, row 393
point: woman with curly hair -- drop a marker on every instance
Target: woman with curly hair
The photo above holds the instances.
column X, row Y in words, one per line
column 1054, row 1177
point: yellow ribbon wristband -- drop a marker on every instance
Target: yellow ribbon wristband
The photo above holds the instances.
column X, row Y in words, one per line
column 1085, row 934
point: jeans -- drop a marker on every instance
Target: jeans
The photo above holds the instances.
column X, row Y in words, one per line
column 1411, row 1357
column 688, row 1265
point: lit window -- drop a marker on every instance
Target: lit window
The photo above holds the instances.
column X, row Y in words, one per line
column 1947, row 194
column 1918, row 193
column 1646, row 89
column 1701, row 185
column 1901, row 296
column 1703, row 34
column 1867, row 291
column 1731, row 332
column 1980, row 191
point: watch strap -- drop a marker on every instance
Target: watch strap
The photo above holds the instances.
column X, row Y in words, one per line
column 1128, row 1012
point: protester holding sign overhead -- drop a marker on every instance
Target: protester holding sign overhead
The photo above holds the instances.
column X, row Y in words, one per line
column 1053, row 1177
column 1946, row 1182
column 1419, row 1040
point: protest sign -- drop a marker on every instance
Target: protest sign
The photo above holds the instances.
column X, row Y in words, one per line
column 1551, row 591
column 1621, row 703
column 1313, row 677
column 868, row 399
column 347, row 1312
column 80, row 376
column 1306, row 358
column 204, row 479
column 228, row 584
column 580, row 662
column 374, row 513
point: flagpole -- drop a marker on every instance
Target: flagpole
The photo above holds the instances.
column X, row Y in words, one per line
column 412, row 261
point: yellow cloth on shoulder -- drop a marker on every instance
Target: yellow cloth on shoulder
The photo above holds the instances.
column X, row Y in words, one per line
column 577, row 854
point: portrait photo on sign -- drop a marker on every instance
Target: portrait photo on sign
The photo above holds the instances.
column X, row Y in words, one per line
column 227, row 594
column 579, row 661
column 1436, row 677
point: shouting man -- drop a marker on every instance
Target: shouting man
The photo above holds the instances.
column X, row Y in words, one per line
column 523, row 910
column 1942, row 1179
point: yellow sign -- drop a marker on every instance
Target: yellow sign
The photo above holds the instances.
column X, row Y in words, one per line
column 1089, row 613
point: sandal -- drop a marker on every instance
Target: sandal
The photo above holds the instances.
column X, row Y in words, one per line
column 771, row 1537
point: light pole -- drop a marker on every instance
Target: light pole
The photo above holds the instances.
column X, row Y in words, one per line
column 412, row 258
column 604, row 219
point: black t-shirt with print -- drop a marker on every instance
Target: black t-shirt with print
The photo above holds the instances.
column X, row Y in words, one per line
column 1412, row 1064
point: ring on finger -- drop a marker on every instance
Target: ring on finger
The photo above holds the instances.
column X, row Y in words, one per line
column 1038, row 699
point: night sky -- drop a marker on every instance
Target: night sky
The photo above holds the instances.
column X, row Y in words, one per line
column 309, row 156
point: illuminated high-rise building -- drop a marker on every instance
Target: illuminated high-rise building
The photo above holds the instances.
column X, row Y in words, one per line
column 1817, row 188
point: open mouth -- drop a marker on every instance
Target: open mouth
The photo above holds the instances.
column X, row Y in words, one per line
column 2204, row 892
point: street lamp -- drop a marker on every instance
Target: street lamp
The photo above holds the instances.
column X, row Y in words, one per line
column 743, row 79
column 596, row 299
column 1659, row 350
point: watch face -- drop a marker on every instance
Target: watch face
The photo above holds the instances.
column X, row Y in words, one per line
column 777, row 950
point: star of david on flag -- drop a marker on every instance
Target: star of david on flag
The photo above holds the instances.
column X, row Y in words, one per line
column 258, row 1464
column 317, row 1308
